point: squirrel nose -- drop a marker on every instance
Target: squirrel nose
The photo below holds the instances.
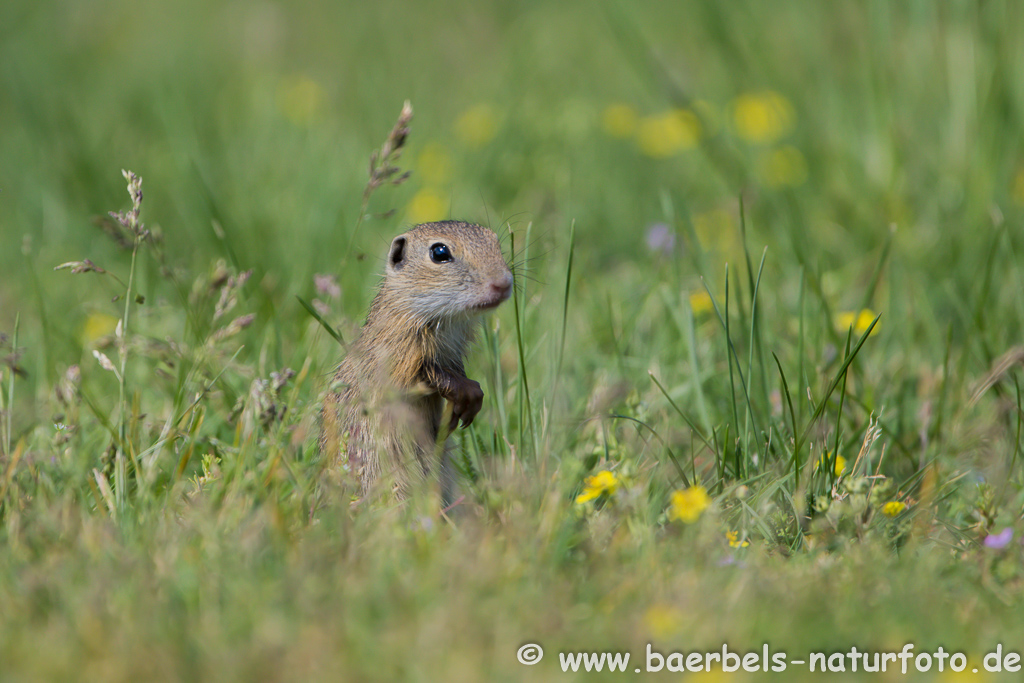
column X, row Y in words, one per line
column 503, row 287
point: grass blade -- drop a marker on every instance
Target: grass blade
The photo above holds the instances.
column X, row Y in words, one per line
column 319, row 318
column 792, row 415
column 678, row 410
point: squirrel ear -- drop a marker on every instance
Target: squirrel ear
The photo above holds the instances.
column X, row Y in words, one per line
column 397, row 256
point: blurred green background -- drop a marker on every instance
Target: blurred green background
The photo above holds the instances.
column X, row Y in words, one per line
column 261, row 116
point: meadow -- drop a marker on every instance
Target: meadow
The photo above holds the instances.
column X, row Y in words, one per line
column 759, row 384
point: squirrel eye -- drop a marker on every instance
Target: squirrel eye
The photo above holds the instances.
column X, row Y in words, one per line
column 440, row 253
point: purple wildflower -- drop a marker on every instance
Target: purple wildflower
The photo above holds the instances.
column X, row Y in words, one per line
column 327, row 285
column 1000, row 540
column 661, row 238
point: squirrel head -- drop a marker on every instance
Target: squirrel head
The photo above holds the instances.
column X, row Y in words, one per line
column 447, row 270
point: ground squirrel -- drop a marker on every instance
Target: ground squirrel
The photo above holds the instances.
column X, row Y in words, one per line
column 385, row 408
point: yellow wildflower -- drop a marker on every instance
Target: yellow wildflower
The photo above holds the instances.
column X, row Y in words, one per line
column 700, row 302
column 840, row 463
column 300, row 98
column 734, row 540
column 762, row 117
column 783, row 167
column 426, row 205
column 477, row 125
column 968, row 674
column 688, row 504
column 618, row 120
column 600, row 484
column 1018, row 187
column 893, row 508
column 97, row 325
column 663, row 135
column 663, row 621
column 859, row 320
column 434, row 164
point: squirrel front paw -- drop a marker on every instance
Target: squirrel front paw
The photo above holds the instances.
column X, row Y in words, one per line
column 466, row 398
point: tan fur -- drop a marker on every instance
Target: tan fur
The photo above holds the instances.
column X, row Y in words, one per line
column 384, row 409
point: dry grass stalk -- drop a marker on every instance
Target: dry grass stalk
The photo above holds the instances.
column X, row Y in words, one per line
column 382, row 161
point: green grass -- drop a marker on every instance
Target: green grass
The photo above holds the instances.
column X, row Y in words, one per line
column 168, row 516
